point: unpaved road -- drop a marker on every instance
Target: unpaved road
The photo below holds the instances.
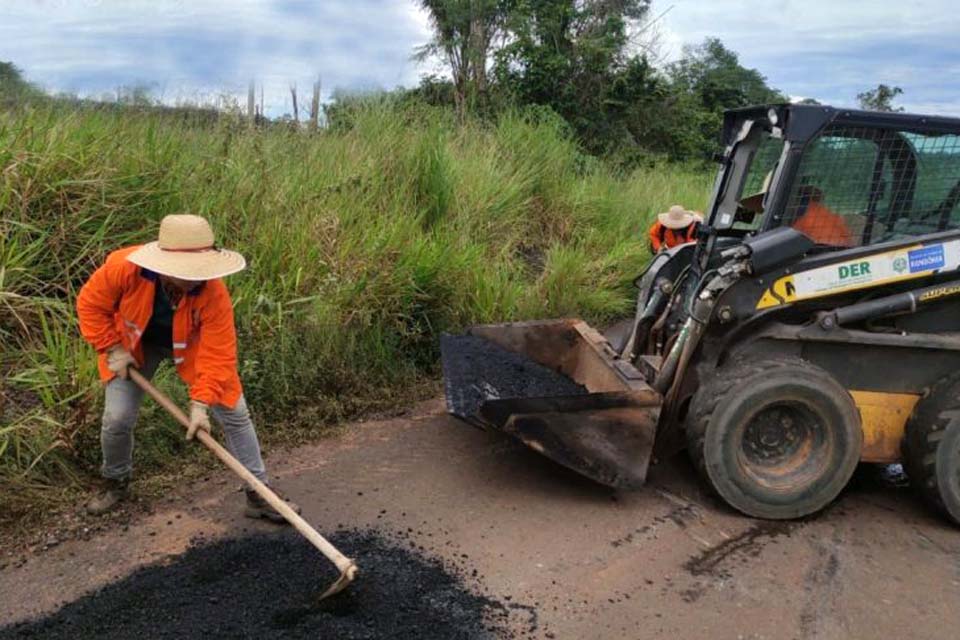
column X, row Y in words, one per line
column 666, row 561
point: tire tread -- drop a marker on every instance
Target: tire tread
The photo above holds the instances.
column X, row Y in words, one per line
column 923, row 434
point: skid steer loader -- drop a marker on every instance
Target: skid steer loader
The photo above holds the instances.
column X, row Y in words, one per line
column 814, row 324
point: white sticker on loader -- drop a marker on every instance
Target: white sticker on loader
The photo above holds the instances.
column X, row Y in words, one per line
column 904, row 263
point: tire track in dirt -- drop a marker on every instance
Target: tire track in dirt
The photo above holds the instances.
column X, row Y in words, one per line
column 718, row 563
column 718, row 560
column 822, row 588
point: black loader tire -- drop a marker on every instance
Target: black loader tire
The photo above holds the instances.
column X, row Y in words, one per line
column 931, row 448
column 777, row 438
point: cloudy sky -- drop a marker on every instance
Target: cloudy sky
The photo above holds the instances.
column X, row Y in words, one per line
column 198, row 49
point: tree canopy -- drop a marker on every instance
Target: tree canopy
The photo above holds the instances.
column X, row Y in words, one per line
column 464, row 31
column 12, row 83
column 879, row 99
column 583, row 59
column 713, row 73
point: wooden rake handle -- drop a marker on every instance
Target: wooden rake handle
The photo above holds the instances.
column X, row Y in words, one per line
column 345, row 565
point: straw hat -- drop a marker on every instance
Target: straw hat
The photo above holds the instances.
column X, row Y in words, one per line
column 678, row 217
column 185, row 250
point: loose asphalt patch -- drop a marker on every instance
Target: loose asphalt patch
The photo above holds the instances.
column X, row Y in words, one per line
column 476, row 370
column 266, row 586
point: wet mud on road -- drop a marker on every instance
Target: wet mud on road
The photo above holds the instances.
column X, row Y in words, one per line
column 565, row 557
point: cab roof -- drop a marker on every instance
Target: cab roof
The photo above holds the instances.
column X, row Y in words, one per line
column 801, row 122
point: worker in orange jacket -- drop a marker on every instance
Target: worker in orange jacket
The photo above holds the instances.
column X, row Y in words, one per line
column 818, row 222
column 674, row 227
column 166, row 300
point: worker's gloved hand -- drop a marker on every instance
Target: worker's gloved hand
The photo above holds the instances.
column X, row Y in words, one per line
column 198, row 419
column 118, row 359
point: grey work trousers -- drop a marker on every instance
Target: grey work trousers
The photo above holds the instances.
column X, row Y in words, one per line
column 122, row 404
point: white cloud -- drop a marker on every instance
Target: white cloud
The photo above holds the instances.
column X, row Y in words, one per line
column 201, row 47
column 831, row 49
column 827, row 49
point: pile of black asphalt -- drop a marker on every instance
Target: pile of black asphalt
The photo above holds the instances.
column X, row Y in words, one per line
column 476, row 370
column 267, row 586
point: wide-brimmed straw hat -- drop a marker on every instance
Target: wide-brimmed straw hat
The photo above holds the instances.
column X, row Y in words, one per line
column 185, row 249
column 678, row 217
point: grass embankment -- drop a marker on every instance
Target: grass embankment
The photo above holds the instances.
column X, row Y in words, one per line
column 364, row 243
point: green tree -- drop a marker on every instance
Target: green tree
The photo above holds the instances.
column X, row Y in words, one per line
column 433, row 90
column 568, row 55
column 464, row 31
column 12, row 83
column 713, row 73
column 576, row 58
column 880, row 99
column 645, row 118
column 706, row 81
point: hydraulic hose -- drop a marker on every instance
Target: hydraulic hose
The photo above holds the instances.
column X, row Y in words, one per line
column 662, row 291
column 674, row 367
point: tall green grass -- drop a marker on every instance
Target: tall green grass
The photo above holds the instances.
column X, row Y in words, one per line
column 364, row 243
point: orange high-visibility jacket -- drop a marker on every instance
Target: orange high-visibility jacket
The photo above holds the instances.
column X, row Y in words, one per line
column 663, row 238
column 116, row 303
column 823, row 226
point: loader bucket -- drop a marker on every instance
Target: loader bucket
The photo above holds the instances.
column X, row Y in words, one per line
column 558, row 387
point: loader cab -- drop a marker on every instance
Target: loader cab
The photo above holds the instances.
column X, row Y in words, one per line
column 845, row 178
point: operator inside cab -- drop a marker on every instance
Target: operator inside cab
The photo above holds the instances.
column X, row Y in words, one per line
column 813, row 218
column 674, row 227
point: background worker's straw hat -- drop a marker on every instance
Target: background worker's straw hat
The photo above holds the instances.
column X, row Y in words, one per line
column 677, row 217
column 185, row 250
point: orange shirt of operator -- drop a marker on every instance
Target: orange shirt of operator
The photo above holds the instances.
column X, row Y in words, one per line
column 823, row 226
column 818, row 222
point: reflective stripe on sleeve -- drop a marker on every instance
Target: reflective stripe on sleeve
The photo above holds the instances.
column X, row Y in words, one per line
column 133, row 326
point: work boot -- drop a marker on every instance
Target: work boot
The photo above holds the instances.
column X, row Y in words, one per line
column 112, row 493
column 257, row 507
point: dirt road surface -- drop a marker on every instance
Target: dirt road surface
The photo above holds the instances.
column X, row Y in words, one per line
column 665, row 561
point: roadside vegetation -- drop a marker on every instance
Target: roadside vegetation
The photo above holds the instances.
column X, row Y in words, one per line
column 365, row 242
